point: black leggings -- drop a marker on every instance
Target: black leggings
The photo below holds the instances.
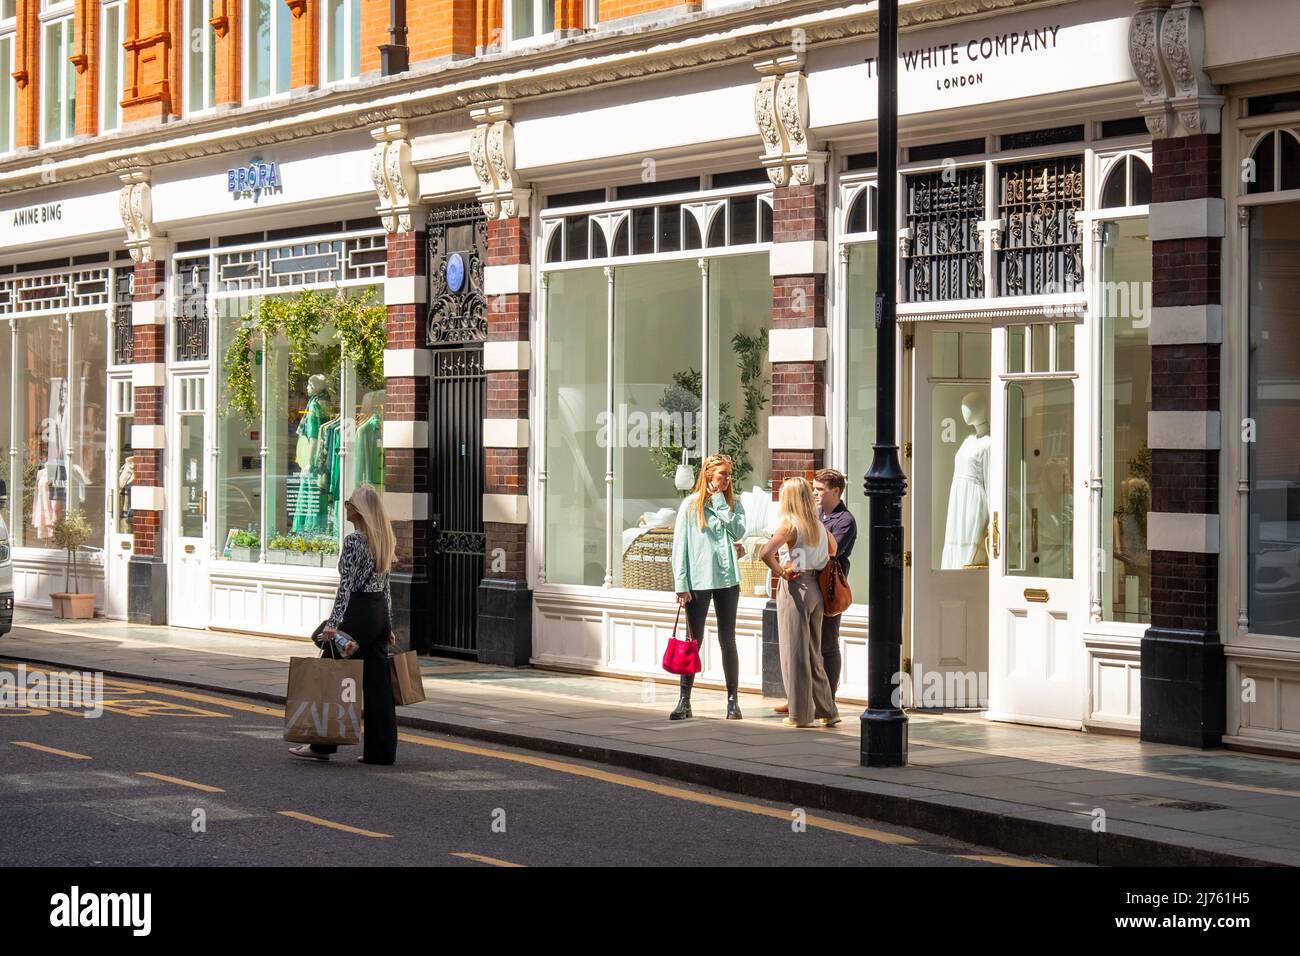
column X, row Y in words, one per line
column 725, row 601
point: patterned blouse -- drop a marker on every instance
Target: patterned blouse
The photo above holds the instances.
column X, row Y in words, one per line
column 357, row 573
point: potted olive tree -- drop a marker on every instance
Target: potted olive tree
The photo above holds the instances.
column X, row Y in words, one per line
column 70, row 533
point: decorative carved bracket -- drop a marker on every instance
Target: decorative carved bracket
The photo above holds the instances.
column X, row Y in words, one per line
column 395, row 179
column 492, row 154
column 135, row 206
column 781, row 112
column 1167, row 48
column 297, row 8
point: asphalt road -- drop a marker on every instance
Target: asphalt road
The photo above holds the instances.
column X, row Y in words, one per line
column 171, row 777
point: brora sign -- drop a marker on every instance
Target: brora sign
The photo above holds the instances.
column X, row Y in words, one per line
column 253, row 180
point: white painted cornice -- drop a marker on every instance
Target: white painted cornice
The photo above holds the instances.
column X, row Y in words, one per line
column 686, row 42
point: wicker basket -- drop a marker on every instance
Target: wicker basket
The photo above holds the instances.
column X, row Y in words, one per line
column 648, row 564
column 753, row 572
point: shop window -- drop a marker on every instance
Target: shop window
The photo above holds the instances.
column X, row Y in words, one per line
column 577, row 350
column 12, row 454
column 315, row 435
column 340, row 40
column 200, row 57
column 1128, row 183
column 1125, row 302
column 691, row 376
column 58, row 75
column 529, row 21
column 1274, row 164
column 861, row 404
column 944, row 258
column 58, row 367
column 8, row 91
column 1273, row 501
column 112, row 64
column 1042, row 245
column 268, row 51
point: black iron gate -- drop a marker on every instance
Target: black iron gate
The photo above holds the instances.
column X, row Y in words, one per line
column 456, row 496
column 457, row 401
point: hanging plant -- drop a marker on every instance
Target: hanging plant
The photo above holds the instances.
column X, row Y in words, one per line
column 360, row 328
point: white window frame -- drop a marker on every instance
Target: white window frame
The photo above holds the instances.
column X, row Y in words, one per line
column 540, row 8
column 111, row 8
column 55, row 11
column 246, row 58
column 351, row 70
column 9, row 35
column 207, row 54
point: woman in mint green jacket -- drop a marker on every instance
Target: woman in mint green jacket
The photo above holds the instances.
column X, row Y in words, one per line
column 706, row 545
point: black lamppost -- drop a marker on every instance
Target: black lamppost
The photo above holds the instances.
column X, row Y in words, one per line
column 884, row 725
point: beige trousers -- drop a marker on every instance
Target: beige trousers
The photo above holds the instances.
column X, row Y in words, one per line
column 799, row 627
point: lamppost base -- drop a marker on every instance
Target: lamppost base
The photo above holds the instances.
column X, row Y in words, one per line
column 884, row 738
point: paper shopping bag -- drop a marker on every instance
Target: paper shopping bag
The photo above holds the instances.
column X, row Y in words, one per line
column 404, row 672
column 323, row 704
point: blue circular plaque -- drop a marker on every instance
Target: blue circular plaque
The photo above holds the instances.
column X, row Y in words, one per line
column 455, row 272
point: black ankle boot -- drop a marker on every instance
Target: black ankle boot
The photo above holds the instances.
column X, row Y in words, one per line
column 683, row 709
column 733, row 707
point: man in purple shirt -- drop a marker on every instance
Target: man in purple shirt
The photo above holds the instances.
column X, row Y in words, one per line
column 828, row 493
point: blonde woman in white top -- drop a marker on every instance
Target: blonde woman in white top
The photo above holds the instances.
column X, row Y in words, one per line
column 803, row 547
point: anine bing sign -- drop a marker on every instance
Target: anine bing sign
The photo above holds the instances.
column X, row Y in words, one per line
column 253, row 180
column 38, row 215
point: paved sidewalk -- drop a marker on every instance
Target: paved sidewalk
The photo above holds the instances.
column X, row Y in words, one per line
column 1021, row 789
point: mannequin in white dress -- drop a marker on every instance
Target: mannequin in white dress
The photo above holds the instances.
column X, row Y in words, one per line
column 968, row 500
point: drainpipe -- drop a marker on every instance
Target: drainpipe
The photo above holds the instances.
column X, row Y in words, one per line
column 395, row 55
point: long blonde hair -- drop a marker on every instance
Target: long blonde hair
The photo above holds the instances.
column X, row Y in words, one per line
column 376, row 527
column 707, row 468
column 796, row 503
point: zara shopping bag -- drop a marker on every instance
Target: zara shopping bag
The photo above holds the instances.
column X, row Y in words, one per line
column 682, row 656
column 323, row 704
column 404, row 672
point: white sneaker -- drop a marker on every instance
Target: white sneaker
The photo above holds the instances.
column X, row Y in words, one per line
column 306, row 751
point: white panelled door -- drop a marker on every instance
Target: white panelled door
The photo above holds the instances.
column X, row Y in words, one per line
column 121, row 474
column 189, row 601
column 1038, row 566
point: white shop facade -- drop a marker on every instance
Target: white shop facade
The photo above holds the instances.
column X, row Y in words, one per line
column 233, row 229
column 1024, row 276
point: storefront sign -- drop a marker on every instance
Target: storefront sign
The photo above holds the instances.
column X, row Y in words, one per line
column 253, row 180
column 960, row 62
column 38, row 215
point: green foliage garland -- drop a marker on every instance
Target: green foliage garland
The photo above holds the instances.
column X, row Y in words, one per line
column 360, row 328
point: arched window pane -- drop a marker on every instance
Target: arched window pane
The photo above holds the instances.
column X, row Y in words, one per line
column 1265, row 167
column 1112, row 194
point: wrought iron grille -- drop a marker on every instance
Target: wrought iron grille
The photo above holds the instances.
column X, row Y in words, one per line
column 456, row 473
column 123, row 330
column 192, row 310
column 945, row 257
column 457, row 255
column 1042, row 245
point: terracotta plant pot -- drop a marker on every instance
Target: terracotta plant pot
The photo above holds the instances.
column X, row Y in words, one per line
column 73, row 606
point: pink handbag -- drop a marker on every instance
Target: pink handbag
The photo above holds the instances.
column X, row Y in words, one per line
column 682, row 656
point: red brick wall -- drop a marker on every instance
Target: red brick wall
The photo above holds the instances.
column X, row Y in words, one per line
column 1185, row 272
column 615, row 9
